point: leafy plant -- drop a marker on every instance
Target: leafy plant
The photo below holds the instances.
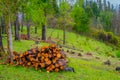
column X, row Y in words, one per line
column 118, row 54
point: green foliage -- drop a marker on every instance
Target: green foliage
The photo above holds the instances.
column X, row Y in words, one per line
column 108, row 37
column 64, row 8
column 118, row 54
column 82, row 25
column 112, row 38
column 55, row 7
column 89, row 11
column 81, row 19
column 95, row 9
column 106, row 19
column 65, row 20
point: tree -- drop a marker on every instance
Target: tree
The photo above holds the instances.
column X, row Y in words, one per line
column 116, row 21
column 7, row 7
column 80, row 18
column 16, row 27
column 88, row 11
column 105, row 6
column 100, row 5
column 27, row 9
column 47, row 9
column 95, row 9
column 109, row 7
column 55, row 8
column 16, row 13
column 1, row 43
column 106, row 19
column 65, row 20
column 38, row 12
column 3, row 25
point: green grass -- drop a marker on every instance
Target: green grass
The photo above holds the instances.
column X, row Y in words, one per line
column 85, row 69
column 23, row 45
column 80, row 42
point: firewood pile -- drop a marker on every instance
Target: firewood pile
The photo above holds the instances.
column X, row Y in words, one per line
column 50, row 58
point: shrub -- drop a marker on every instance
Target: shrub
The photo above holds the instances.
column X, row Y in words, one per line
column 93, row 33
column 102, row 35
column 111, row 38
column 108, row 37
column 118, row 54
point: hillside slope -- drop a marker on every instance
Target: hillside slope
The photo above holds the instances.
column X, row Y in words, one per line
column 87, row 67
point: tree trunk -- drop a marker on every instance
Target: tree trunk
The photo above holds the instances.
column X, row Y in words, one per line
column 100, row 5
column 1, row 44
column 28, row 29
column 105, row 6
column 17, row 25
column 64, row 35
column 9, row 36
column 22, row 23
column 3, row 26
column 43, row 32
column 35, row 30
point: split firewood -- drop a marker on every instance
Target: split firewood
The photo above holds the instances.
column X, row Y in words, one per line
column 50, row 58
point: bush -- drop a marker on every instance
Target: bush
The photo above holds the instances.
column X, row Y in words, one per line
column 93, row 33
column 118, row 54
column 108, row 37
column 111, row 38
column 102, row 36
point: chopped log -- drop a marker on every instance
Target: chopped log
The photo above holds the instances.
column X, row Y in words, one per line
column 45, row 55
column 38, row 55
column 50, row 55
column 26, row 53
column 58, row 55
column 42, row 65
column 34, row 50
column 46, row 59
column 57, row 65
column 50, row 58
column 21, row 55
column 56, row 69
column 29, row 63
column 54, row 60
column 52, row 66
column 36, row 65
column 48, row 62
column 62, row 67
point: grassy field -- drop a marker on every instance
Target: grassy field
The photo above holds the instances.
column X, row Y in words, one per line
column 85, row 68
